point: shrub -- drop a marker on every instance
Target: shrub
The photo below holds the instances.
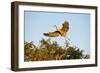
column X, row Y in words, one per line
column 48, row 50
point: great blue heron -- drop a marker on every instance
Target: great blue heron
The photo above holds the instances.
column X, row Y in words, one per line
column 59, row 32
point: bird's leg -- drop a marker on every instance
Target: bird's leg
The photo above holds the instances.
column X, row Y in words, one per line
column 68, row 39
column 70, row 42
column 66, row 42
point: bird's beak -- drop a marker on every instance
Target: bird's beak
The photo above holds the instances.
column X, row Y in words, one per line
column 54, row 25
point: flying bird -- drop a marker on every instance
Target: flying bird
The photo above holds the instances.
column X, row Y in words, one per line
column 59, row 32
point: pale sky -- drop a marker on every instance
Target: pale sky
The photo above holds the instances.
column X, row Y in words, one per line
column 37, row 23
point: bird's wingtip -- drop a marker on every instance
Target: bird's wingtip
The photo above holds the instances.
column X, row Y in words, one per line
column 45, row 34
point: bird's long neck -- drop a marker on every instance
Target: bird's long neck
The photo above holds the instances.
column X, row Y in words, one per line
column 56, row 27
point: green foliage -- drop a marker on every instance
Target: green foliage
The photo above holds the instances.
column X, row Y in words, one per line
column 48, row 50
column 74, row 53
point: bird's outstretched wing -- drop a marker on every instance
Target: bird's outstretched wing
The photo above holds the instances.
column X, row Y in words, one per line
column 52, row 34
column 65, row 27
